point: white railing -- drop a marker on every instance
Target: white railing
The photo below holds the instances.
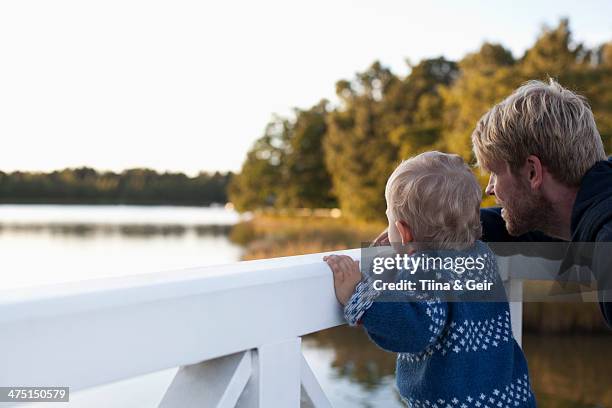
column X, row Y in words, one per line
column 233, row 329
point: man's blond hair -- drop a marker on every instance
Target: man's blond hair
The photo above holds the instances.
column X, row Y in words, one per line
column 438, row 197
column 544, row 120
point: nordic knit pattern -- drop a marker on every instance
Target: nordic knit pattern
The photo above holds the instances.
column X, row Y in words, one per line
column 450, row 354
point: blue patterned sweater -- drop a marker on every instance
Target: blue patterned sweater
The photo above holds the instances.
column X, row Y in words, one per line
column 450, row 354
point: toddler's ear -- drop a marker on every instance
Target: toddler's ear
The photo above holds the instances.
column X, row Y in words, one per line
column 404, row 231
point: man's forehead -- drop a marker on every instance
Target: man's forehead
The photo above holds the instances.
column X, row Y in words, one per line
column 494, row 165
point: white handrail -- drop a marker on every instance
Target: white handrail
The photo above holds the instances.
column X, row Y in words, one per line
column 238, row 318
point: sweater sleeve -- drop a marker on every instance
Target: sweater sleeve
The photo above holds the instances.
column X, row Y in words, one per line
column 397, row 326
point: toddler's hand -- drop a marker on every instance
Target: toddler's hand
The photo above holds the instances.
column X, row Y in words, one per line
column 346, row 275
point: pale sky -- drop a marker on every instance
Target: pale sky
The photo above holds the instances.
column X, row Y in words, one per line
column 189, row 85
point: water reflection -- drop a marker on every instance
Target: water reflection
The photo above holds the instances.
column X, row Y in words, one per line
column 129, row 221
column 571, row 371
column 48, row 245
column 566, row 371
column 354, row 358
column 352, row 371
column 134, row 230
column 115, row 214
column 49, row 255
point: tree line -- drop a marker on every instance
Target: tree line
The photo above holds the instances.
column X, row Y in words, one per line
column 328, row 156
column 134, row 186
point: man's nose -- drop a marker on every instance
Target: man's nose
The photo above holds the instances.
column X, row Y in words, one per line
column 490, row 190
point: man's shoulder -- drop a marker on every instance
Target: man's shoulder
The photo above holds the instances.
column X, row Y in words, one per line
column 605, row 232
column 493, row 225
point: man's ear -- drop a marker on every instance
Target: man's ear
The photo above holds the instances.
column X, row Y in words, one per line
column 404, row 231
column 534, row 172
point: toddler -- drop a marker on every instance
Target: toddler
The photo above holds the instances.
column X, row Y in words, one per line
column 453, row 352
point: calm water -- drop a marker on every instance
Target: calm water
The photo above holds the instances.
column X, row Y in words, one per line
column 86, row 242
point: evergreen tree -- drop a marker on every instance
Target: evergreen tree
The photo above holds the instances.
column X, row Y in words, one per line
column 382, row 119
column 553, row 53
column 414, row 107
column 358, row 153
column 306, row 181
column 258, row 183
column 486, row 77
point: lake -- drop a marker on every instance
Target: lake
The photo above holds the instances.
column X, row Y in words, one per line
column 44, row 244
column 86, row 242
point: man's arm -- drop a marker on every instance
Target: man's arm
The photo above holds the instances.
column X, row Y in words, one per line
column 602, row 269
column 381, row 240
column 494, row 229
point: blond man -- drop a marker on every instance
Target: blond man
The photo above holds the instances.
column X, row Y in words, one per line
column 549, row 174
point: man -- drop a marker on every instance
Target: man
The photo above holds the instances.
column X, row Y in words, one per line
column 549, row 173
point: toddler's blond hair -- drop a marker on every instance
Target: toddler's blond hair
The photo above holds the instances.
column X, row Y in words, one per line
column 438, row 197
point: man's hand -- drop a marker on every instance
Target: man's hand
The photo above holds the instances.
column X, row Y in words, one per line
column 381, row 240
column 346, row 275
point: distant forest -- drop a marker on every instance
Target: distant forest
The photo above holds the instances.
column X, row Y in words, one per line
column 341, row 154
column 135, row 186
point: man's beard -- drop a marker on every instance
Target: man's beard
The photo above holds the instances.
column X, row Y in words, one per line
column 527, row 211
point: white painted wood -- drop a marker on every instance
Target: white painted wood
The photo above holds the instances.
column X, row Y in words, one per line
column 213, row 383
column 275, row 381
column 94, row 294
column 515, row 292
column 278, row 374
column 106, row 330
column 510, row 266
column 238, row 382
column 315, row 397
column 95, row 332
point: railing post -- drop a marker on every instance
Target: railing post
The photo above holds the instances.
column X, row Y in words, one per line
column 515, row 296
column 275, row 381
column 279, row 373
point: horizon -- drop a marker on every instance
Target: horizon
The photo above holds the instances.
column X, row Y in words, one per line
column 103, row 171
column 152, row 91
